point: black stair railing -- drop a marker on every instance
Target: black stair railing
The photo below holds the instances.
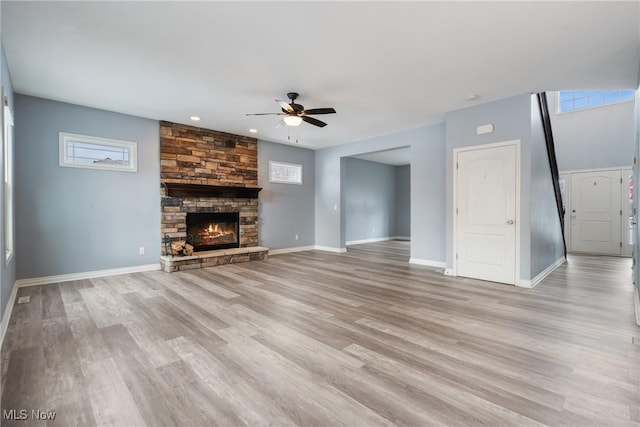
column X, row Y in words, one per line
column 551, row 153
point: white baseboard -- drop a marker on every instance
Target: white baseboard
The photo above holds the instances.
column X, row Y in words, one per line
column 45, row 280
column 289, row 250
column 544, row 273
column 7, row 314
column 330, row 249
column 449, row 272
column 376, row 239
column 373, row 240
column 427, row 262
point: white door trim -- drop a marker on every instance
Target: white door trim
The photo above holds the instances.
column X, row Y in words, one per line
column 594, row 170
column 456, row 151
column 627, row 250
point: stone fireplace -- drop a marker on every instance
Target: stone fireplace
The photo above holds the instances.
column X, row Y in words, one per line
column 205, row 172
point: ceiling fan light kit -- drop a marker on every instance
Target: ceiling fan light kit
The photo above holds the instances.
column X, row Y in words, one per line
column 294, row 114
column 292, row 120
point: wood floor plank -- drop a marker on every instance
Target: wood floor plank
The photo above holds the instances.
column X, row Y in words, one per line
column 315, row 338
column 106, row 306
column 24, row 386
column 63, row 379
column 485, row 411
column 77, row 414
column 308, row 402
column 193, row 401
column 110, row 398
column 234, row 390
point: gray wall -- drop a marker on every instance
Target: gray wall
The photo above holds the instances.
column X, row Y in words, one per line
column 403, row 201
column 370, row 203
column 546, row 232
column 427, row 145
column 286, row 209
column 428, row 195
column 636, row 195
column 511, row 118
column 515, row 118
column 75, row 220
column 8, row 272
column 594, row 138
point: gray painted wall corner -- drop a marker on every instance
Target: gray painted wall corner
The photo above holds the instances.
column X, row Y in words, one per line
column 593, row 138
column 370, row 203
column 428, row 195
column 8, row 271
column 546, row 233
column 403, row 200
column 286, row 210
column 427, row 221
column 78, row 220
column 511, row 118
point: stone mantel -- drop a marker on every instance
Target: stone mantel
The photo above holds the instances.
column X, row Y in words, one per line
column 199, row 190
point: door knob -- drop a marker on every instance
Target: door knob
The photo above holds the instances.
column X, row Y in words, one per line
column 510, row 222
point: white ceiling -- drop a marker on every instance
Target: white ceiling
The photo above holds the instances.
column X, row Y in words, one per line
column 384, row 66
column 397, row 157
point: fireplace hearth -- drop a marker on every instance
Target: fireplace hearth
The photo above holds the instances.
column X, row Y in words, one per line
column 211, row 231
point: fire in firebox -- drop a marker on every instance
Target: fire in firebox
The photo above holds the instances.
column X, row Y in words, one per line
column 213, row 230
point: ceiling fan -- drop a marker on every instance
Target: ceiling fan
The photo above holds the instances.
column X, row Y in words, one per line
column 294, row 114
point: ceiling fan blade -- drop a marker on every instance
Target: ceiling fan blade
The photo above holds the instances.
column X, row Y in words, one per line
column 313, row 121
column 319, row 111
column 285, row 105
column 280, row 124
column 265, row 114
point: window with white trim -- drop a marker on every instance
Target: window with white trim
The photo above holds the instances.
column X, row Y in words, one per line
column 82, row 151
column 7, row 181
column 285, row 173
column 573, row 100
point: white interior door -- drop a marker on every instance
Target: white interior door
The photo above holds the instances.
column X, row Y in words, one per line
column 486, row 214
column 595, row 212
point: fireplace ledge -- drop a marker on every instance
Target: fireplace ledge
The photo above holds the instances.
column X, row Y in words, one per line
column 212, row 258
column 199, row 190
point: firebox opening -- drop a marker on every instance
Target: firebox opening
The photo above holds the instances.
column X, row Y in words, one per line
column 212, row 231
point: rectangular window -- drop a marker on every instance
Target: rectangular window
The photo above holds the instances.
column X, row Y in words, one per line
column 572, row 100
column 81, row 151
column 7, row 181
column 285, row 173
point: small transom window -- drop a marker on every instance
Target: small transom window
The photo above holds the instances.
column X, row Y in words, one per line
column 285, row 173
column 81, row 151
column 572, row 100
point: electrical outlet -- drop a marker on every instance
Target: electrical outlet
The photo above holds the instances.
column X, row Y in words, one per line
column 335, row 207
column 141, row 251
column 296, row 237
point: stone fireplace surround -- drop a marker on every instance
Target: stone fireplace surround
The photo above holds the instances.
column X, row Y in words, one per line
column 203, row 170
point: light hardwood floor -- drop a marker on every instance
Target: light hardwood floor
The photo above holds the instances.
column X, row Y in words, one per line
column 320, row 339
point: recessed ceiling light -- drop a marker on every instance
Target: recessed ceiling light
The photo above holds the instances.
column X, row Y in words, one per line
column 253, row 130
column 195, row 118
column 472, row 97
